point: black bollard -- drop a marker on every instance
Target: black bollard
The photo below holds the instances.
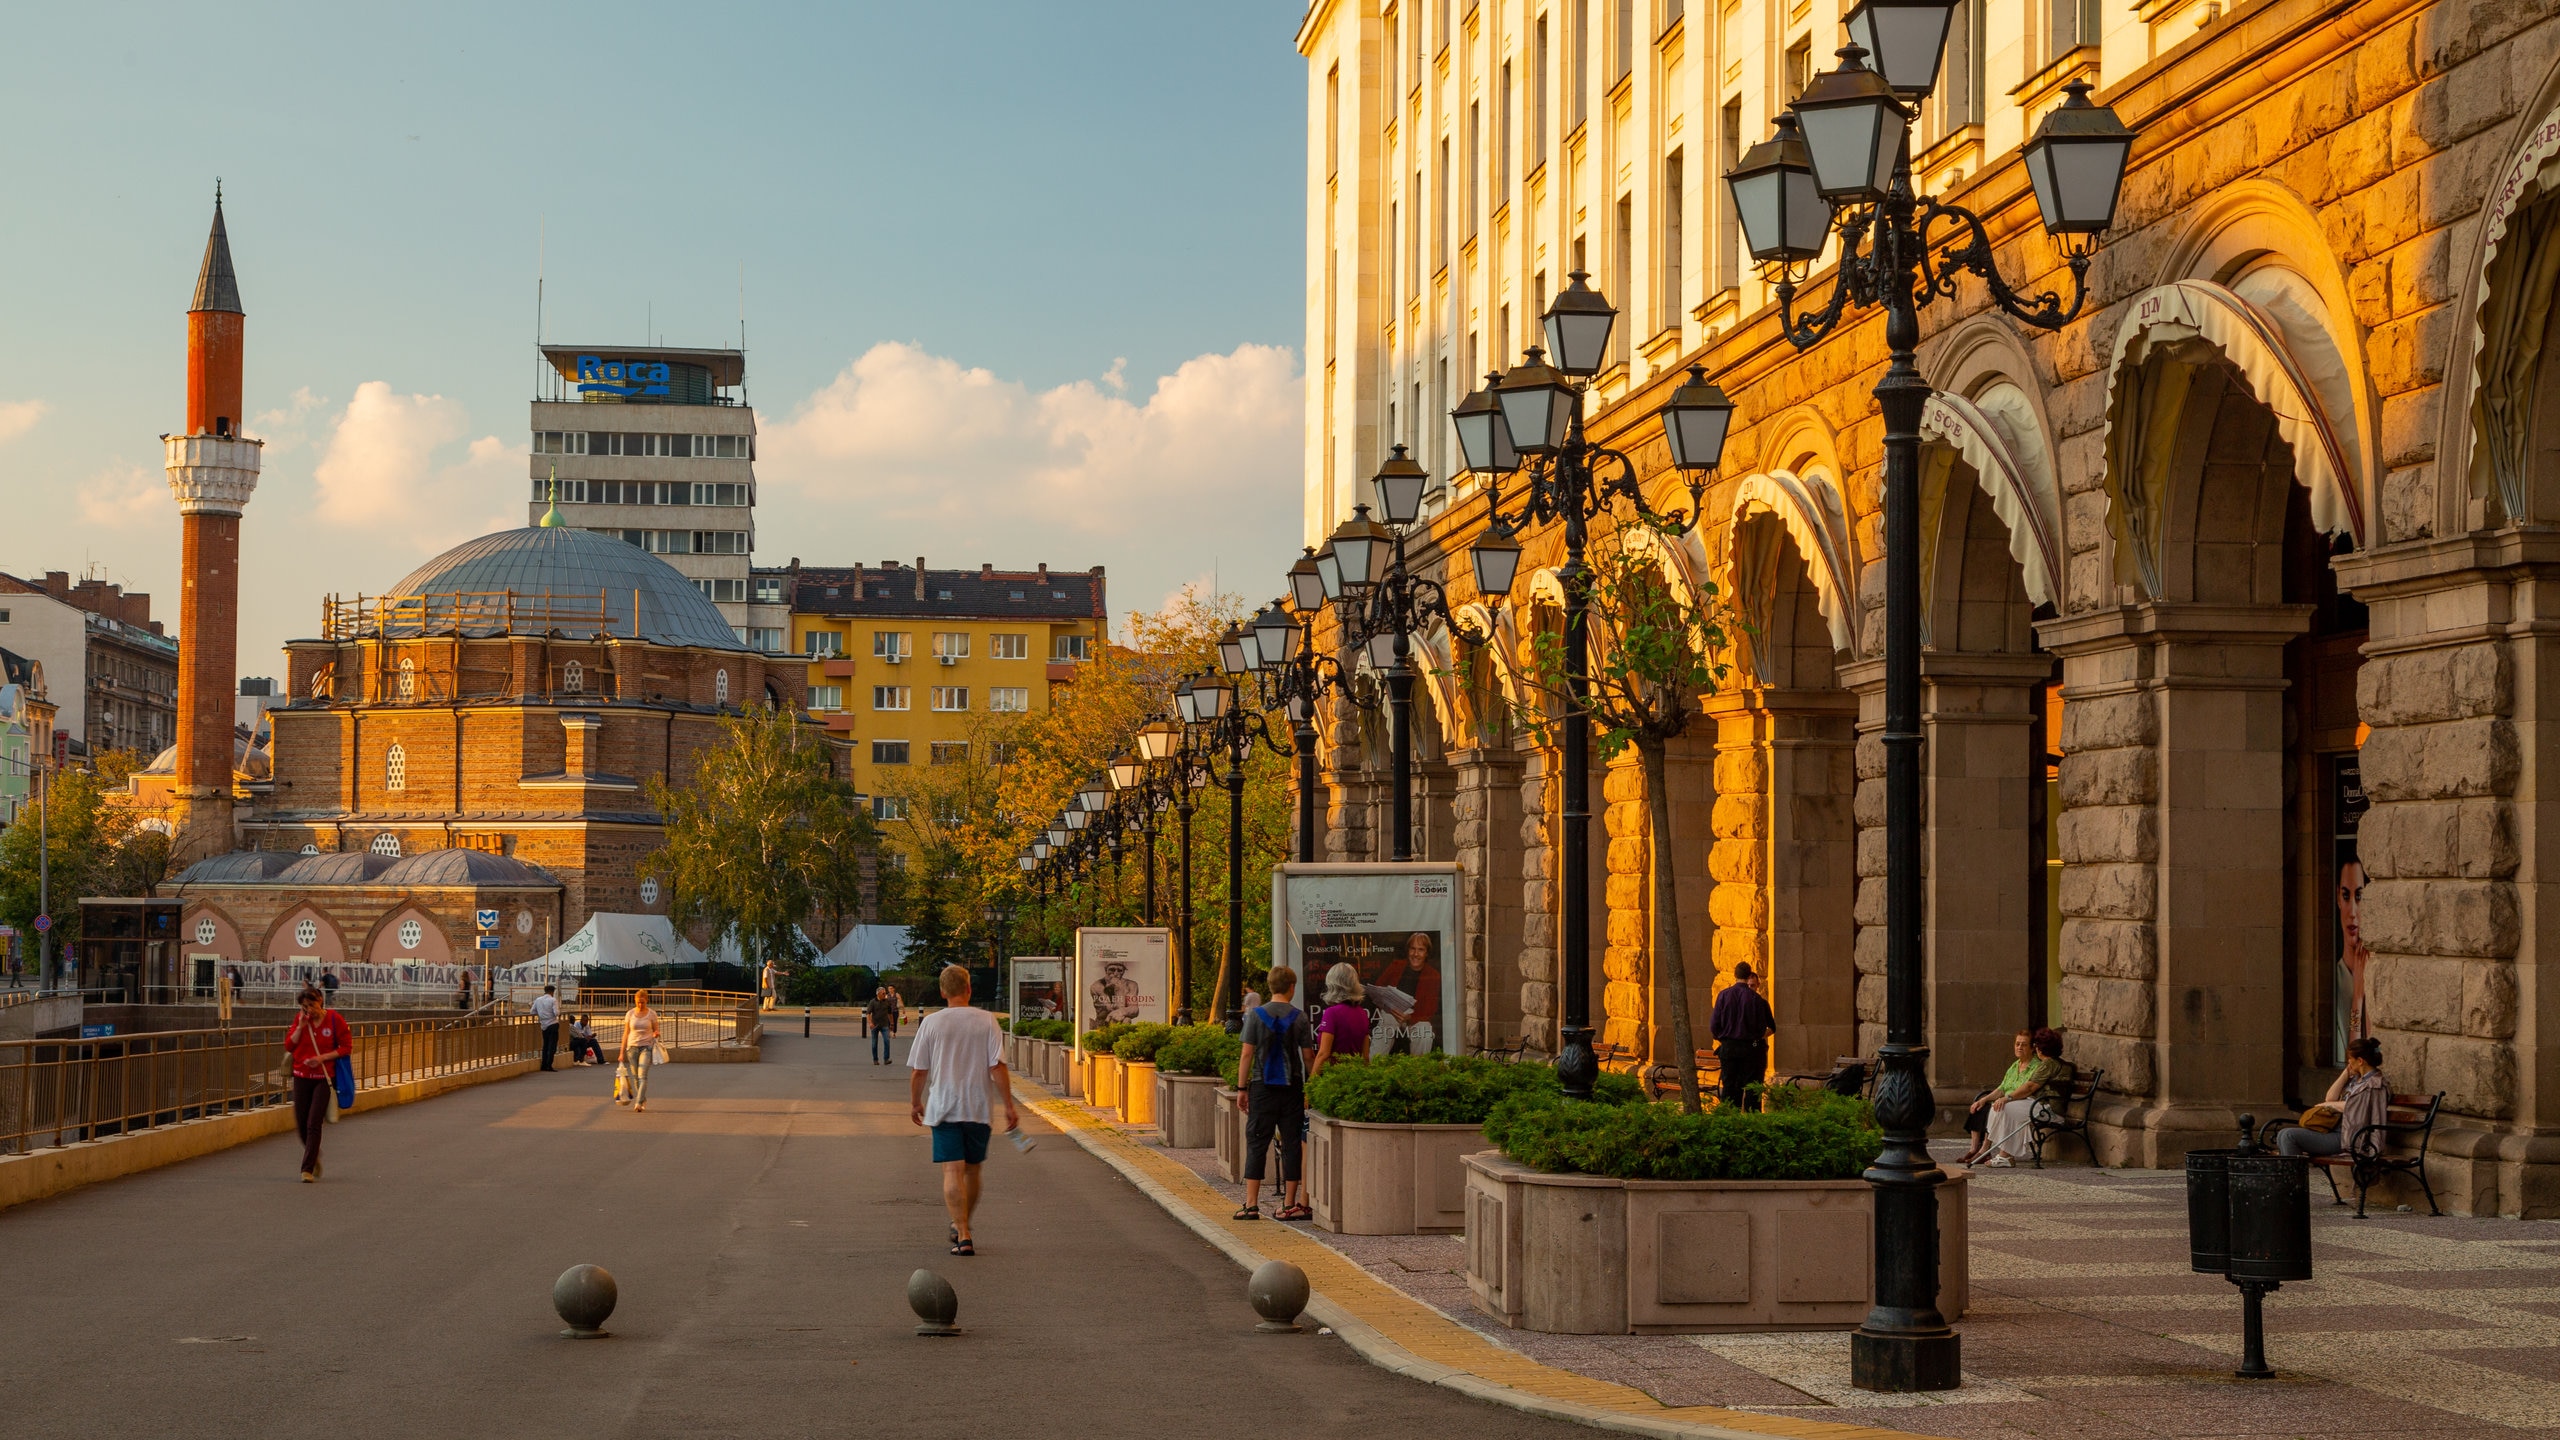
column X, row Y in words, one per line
column 804, row 1022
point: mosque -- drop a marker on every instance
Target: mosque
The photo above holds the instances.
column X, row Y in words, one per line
column 475, row 744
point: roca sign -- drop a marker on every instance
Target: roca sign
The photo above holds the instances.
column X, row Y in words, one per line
column 597, row 375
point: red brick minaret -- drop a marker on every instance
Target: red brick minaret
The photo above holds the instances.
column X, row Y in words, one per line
column 213, row 470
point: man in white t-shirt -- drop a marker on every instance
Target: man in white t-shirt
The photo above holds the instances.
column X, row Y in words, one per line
column 546, row 1011
column 953, row 1064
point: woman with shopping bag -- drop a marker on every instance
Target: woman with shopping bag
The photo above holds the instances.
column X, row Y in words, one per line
column 641, row 1053
column 315, row 1049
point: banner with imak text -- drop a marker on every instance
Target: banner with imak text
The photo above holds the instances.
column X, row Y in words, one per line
column 1122, row 974
column 1396, row 926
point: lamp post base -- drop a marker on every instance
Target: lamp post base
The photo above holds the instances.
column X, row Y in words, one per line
column 1577, row 1068
column 1900, row 1364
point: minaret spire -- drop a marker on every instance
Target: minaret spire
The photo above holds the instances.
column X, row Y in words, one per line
column 217, row 288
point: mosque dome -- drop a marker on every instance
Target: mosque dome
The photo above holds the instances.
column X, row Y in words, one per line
column 548, row 578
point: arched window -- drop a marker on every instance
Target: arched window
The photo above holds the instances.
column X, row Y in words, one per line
column 306, row 933
column 386, row 843
column 573, row 677
column 395, row 769
column 720, row 688
column 408, row 679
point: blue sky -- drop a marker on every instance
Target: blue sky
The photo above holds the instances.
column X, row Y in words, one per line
column 975, row 239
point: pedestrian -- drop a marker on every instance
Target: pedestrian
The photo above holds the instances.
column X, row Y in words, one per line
column 641, row 1052
column 2349, row 1116
column 771, row 979
column 462, row 997
column 318, row 1040
column 1741, row 1025
column 884, row 1023
column 1342, row 1031
column 955, row 1062
column 1998, row 1116
column 329, row 986
column 1273, row 1065
column 546, row 1011
column 584, row 1049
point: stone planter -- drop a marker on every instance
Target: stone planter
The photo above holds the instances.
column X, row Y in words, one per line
column 1230, row 1134
column 1077, row 1070
column 1187, row 1110
column 1365, row 1179
column 1012, row 1052
column 1138, row 1092
column 1102, row 1082
column 1053, row 1065
column 1583, row 1255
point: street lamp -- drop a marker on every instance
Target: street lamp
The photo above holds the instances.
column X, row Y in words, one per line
column 1483, row 441
column 1695, row 420
column 1306, row 583
column 1857, row 143
column 1572, row 481
column 1784, row 218
column 1223, row 724
column 1908, row 39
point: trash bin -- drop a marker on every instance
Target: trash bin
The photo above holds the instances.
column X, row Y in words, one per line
column 2249, row 1220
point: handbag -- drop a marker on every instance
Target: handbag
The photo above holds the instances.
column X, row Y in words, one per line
column 621, row 1079
column 2322, row 1118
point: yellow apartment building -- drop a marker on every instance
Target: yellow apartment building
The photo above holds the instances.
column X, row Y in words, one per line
column 907, row 663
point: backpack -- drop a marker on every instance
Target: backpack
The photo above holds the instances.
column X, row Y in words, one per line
column 1275, row 1057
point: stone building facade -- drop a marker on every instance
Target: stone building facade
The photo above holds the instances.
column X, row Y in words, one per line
column 2235, row 653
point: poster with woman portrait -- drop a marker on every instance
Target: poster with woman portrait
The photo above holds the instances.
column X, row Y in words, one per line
column 1396, row 925
column 2349, row 956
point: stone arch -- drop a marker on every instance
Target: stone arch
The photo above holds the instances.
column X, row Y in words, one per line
column 1997, row 434
column 1783, row 526
column 2508, row 290
column 388, row 945
column 286, row 943
column 225, row 944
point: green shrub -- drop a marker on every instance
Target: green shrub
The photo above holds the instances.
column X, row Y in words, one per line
column 1142, row 1041
column 1198, row 1050
column 1005, row 1023
column 1810, row 1135
column 1100, row 1039
column 1437, row 1089
column 1059, row 1031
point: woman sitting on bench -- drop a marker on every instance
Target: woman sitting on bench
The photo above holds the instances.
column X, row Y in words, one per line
column 2357, row 1106
column 1998, row 1116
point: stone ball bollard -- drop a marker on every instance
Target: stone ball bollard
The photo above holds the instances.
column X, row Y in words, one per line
column 1278, row 1291
column 936, row 1304
column 584, row 1295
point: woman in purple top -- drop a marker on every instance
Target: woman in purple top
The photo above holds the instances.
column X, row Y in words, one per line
column 1343, row 1033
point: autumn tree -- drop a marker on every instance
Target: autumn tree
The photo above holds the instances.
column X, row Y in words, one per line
column 1657, row 651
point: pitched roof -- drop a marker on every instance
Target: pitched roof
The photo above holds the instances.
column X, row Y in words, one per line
column 216, row 287
column 955, row 594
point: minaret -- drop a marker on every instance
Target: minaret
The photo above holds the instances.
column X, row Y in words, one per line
column 213, row 470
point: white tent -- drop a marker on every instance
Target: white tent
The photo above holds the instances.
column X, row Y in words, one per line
column 617, row 942
column 726, row 951
column 876, row 947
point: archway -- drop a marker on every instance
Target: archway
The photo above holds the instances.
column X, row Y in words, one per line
column 409, row 936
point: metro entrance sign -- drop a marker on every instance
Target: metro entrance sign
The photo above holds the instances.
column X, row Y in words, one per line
column 488, row 919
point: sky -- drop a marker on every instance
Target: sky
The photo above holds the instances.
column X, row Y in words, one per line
column 1022, row 282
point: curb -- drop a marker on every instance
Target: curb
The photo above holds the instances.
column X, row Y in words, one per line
column 1628, row 1411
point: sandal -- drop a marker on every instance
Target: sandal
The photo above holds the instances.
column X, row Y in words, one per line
column 1250, row 1212
column 963, row 1247
column 1295, row 1212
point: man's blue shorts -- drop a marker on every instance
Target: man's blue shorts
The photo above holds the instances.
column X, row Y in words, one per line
column 961, row 1140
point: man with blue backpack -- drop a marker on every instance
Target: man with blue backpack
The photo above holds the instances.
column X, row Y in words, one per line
column 1273, row 1067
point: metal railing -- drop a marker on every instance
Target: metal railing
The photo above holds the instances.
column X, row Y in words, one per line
column 61, row 1092
column 687, row 1019
column 18, row 995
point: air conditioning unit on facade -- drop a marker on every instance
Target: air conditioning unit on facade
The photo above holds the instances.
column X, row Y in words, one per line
column 948, row 659
column 894, row 659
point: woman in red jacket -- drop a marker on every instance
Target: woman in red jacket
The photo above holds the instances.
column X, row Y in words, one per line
column 320, row 1037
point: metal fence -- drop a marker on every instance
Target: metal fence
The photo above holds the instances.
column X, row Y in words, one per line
column 61, row 1092
column 687, row 1019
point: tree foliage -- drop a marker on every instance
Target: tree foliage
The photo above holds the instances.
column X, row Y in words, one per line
column 764, row 838
column 1657, row 649
column 90, row 846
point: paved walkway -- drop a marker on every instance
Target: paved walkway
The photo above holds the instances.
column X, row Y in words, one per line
column 762, row 1220
column 2087, row 1323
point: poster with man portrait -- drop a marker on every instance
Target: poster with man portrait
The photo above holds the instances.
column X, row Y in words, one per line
column 1396, row 926
column 1039, row 988
column 1121, row 975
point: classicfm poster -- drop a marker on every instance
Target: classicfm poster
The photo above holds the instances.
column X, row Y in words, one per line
column 1039, row 988
column 1394, row 924
column 1122, row 974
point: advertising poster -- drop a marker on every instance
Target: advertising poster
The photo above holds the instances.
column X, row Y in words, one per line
column 1396, row 925
column 1122, row 974
column 1039, row 988
column 2346, row 981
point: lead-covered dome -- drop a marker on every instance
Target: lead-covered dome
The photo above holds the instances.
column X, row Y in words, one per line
column 543, row 579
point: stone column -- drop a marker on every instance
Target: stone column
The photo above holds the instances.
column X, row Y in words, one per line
column 1785, row 866
column 1540, row 905
column 1487, row 810
column 2172, row 841
column 1979, row 901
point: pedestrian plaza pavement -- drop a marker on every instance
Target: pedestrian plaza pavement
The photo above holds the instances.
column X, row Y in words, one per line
column 2087, row 1324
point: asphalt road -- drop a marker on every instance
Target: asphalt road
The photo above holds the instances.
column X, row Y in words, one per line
column 762, row 1221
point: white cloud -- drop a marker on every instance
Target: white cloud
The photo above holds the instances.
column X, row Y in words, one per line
column 124, row 496
column 287, row 427
column 907, row 452
column 17, row 417
column 381, row 471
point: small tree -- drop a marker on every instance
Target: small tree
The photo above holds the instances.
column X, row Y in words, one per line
column 758, row 840
column 1655, row 653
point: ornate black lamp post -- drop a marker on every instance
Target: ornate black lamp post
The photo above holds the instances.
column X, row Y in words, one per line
column 1841, row 163
column 1227, row 726
column 1279, row 649
column 1529, row 423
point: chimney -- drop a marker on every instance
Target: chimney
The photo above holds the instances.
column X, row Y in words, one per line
column 919, row 577
column 986, row 571
column 1044, row 572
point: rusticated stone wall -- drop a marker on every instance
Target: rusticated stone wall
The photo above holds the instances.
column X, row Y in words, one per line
column 2109, row 837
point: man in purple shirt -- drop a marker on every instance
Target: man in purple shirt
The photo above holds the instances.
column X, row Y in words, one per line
column 1741, row 1024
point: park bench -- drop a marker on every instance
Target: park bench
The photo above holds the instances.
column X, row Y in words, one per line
column 2409, row 1120
column 2061, row 1107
